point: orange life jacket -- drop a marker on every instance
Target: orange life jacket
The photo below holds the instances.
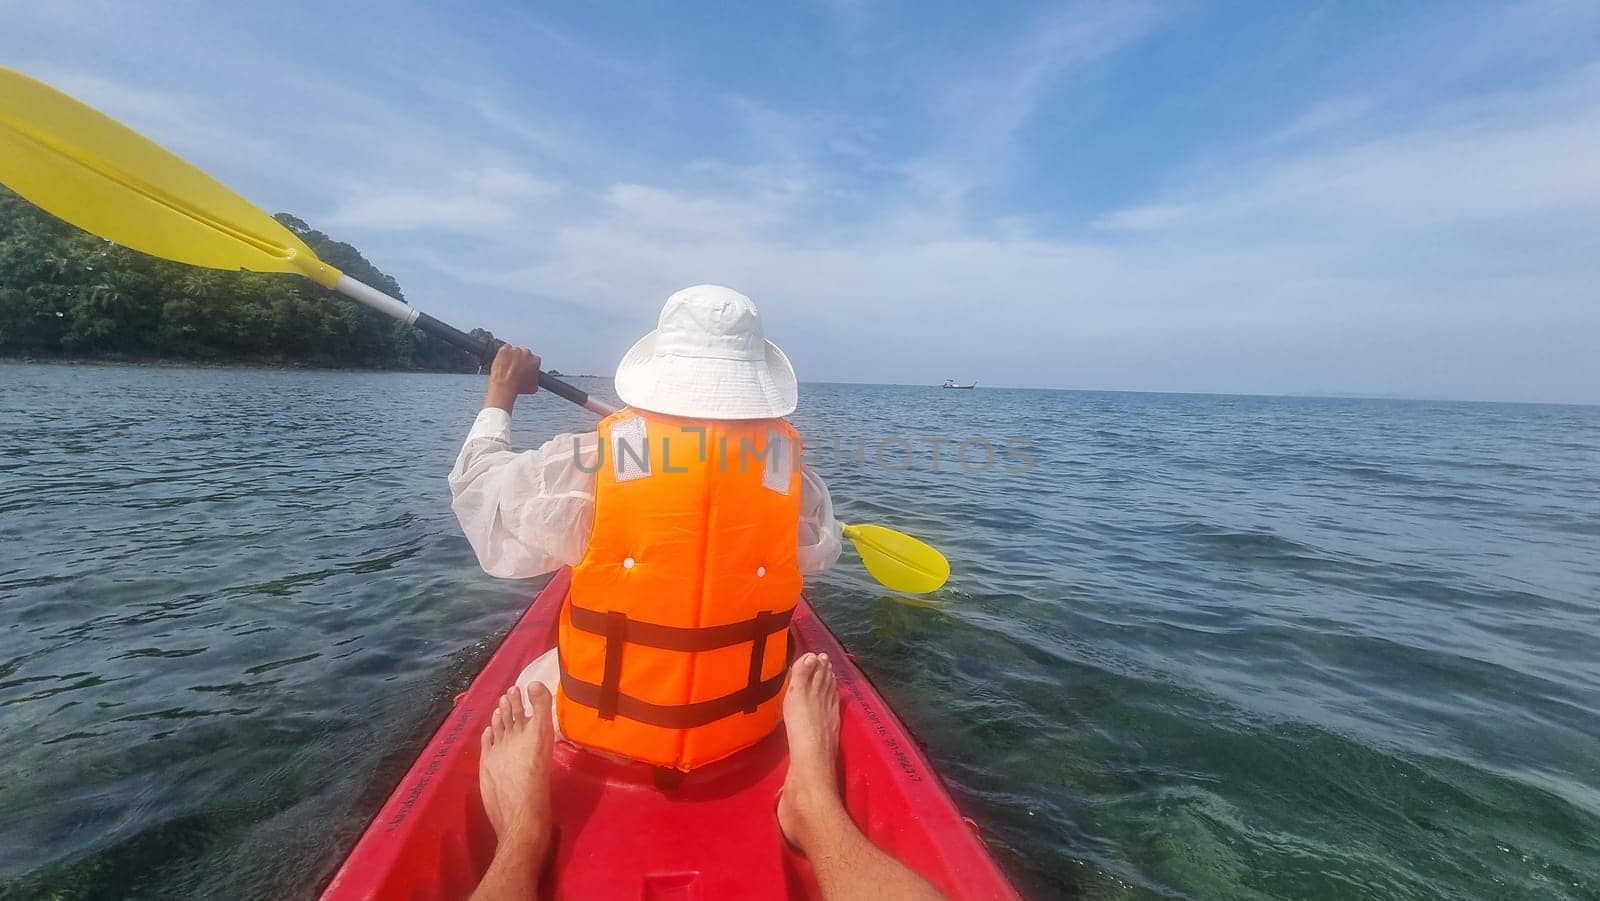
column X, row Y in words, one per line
column 674, row 640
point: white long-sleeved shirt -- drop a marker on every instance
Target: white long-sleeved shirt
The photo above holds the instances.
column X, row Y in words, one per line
column 530, row 512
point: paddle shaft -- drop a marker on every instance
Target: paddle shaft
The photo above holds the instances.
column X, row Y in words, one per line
column 482, row 348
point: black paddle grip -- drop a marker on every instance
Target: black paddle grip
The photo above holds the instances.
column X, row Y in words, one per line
column 485, row 349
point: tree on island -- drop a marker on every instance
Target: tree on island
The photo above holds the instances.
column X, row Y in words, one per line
column 64, row 292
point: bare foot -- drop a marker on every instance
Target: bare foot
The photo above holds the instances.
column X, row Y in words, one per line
column 811, row 717
column 514, row 771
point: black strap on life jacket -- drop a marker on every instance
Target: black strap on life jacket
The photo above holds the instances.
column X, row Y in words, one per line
column 616, row 636
column 619, row 630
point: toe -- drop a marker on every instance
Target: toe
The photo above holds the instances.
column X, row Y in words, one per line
column 487, row 739
column 539, row 700
column 516, row 714
column 498, row 724
column 800, row 675
column 819, row 671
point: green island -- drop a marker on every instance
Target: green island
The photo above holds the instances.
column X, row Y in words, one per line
column 66, row 294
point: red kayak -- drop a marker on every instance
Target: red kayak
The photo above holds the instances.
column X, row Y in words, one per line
column 620, row 835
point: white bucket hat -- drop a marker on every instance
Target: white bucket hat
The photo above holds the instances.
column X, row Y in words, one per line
column 708, row 359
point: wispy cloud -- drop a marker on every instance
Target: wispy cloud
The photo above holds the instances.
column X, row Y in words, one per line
column 1145, row 218
column 473, row 201
column 980, row 111
column 543, row 140
column 992, row 99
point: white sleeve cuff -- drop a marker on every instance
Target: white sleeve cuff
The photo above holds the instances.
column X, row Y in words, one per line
column 820, row 539
column 492, row 422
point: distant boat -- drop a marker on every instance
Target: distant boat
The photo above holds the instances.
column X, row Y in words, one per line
column 951, row 383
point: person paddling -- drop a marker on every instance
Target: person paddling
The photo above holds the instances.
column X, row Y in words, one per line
column 688, row 518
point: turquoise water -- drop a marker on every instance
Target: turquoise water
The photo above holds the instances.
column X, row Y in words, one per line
column 1223, row 647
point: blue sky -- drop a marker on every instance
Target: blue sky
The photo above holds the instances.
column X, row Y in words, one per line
column 1274, row 197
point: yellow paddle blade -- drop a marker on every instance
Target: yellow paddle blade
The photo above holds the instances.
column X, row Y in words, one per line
column 897, row 560
column 98, row 174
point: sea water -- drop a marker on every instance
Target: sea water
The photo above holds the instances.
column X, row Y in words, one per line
column 1213, row 646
